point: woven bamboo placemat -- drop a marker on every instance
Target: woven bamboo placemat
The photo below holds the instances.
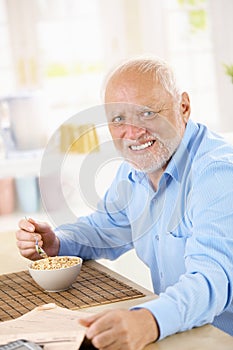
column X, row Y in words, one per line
column 20, row 294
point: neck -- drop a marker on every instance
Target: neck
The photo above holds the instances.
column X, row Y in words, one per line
column 154, row 178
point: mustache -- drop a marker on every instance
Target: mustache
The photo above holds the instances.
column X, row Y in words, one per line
column 170, row 144
column 142, row 139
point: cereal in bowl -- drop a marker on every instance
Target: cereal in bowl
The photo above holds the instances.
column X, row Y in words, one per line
column 55, row 263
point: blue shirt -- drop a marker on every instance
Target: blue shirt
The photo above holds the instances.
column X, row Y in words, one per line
column 183, row 232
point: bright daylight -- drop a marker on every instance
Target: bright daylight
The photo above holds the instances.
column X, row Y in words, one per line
column 116, row 173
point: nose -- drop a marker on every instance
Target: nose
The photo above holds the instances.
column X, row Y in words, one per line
column 133, row 132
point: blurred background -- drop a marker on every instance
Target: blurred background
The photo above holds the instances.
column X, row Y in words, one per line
column 54, row 55
column 65, row 47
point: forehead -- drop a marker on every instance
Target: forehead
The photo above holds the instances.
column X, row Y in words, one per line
column 134, row 87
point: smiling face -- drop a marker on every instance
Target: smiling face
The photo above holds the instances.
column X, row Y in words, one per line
column 145, row 121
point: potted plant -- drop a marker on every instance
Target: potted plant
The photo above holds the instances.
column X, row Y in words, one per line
column 229, row 70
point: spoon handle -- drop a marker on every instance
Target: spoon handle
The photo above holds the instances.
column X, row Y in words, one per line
column 39, row 249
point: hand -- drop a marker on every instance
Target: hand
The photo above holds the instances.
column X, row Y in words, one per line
column 26, row 236
column 121, row 329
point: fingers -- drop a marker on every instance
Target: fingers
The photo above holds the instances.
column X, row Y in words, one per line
column 31, row 225
column 107, row 341
column 101, row 329
column 25, row 242
column 121, row 329
column 31, row 230
column 26, row 237
column 27, row 225
column 40, row 227
column 87, row 321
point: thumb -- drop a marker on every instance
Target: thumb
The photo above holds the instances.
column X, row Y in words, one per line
column 40, row 226
column 88, row 320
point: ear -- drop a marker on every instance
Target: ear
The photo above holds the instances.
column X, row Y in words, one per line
column 185, row 106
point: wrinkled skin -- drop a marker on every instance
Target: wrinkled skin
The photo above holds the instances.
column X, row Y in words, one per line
column 121, row 329
column 139, row 110
column 108, row 330
column 147, row 139
column 26, row 239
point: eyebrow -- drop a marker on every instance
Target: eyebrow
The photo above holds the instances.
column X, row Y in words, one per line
column 153, row 108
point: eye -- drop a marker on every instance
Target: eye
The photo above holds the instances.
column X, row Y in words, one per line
column 118, row 120
column 148, row 114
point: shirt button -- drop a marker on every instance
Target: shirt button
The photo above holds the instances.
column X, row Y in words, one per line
column 157, row 237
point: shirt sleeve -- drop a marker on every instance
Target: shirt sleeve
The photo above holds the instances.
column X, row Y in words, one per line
column 205, row 289
column 104, row 234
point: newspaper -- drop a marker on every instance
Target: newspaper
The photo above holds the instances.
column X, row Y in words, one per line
column 49, row 325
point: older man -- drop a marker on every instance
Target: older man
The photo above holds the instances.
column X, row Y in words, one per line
column 171, row 201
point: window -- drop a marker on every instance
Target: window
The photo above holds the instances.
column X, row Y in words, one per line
column 6, row 64
column 65, row 47
column 56, row 47
column 191, row 51
column 71, row 52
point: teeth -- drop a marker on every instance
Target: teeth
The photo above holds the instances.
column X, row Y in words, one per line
column 143, row 146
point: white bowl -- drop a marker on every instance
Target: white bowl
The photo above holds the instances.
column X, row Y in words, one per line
column 56, row 280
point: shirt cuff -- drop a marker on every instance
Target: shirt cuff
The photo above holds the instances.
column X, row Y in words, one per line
column 166, row 313
column 65, row 247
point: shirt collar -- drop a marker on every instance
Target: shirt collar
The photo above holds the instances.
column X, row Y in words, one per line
column 177, row 164
column 136, row 175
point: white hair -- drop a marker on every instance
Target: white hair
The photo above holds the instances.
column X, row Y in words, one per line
column 159, row 69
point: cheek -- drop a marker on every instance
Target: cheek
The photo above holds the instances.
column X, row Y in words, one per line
column 167, row 129
column 116, row 133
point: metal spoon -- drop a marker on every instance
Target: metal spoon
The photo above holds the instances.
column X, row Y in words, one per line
column 39, row 250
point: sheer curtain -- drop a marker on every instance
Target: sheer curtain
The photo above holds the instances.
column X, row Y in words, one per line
column 221, row 14
column 6, row 64
column 136, row 27
column 167, row 33
column 65, row 47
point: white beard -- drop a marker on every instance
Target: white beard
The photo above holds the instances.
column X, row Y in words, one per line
column 149, row 162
